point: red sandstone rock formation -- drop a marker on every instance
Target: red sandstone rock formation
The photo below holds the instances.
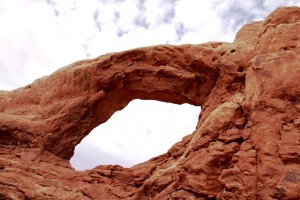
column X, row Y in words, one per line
column 247, row 141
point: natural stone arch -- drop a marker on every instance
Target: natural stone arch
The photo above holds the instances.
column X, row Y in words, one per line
column 67, row 105
column 246, row 145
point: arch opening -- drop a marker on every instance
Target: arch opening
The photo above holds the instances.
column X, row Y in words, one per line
column 142, row 130
column 116, row 79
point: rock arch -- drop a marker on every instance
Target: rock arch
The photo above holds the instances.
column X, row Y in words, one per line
column 246, row 145
column 68, row 104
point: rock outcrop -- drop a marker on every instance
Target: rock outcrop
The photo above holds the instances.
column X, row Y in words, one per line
column 246, row 144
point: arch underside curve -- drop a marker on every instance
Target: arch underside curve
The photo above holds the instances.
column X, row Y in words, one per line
column 65, row 106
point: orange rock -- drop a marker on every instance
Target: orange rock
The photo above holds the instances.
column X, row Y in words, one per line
column 247, row 141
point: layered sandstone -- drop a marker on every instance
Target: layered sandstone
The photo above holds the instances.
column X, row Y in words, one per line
column 246, row 144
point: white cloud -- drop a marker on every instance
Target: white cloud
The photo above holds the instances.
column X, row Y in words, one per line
column 193, row 14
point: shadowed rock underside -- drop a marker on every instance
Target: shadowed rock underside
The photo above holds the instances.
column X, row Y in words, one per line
column 246, row 144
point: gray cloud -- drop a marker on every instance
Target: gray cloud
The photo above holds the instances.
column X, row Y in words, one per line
column 180, row 30
column 238, row 13
column 121, row 32
column 169, row 10
column 141, row 5
column 141, row 21
column 116, row 17
column 86, row 50
column 53, row 5
column 169, row 14
column 96, row 22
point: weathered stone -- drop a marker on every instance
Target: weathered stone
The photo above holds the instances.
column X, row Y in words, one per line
column 245, row 146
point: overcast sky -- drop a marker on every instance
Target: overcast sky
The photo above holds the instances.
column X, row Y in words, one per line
column 39, row 36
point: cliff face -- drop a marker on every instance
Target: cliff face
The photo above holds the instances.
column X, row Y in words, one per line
column 247, row 141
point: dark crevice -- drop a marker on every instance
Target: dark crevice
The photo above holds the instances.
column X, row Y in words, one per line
column 286, row 48
column 240, row 69
column 240, row 140
column 10, row 186
column 4, row 197
column 245, row 116
column 86, row 195
column 214, row 58
column 236, row 84
column 200, row 196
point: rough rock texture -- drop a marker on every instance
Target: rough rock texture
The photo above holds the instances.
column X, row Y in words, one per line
column 246, row 144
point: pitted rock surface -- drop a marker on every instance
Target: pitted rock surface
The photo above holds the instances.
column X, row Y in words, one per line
column 246, row 144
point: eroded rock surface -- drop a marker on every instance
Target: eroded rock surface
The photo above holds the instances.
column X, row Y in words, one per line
column 246, row 144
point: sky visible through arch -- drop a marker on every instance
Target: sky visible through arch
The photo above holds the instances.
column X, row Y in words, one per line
column 39, row 36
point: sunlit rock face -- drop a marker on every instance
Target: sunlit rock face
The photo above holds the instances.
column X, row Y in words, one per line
column 247, row 141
